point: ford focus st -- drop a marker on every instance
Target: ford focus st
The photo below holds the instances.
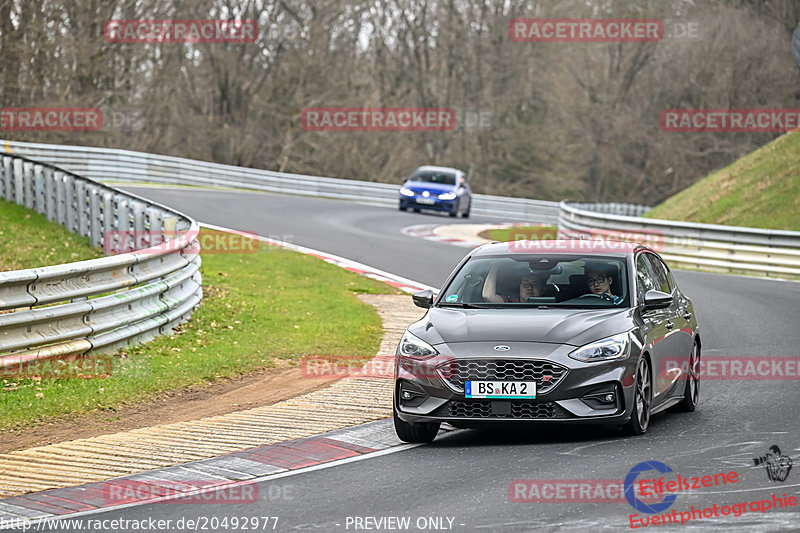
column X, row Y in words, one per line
column 548, row 332
column 437, row 188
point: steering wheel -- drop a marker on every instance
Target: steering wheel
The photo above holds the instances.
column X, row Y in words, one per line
column 473, row 281
column 604, row 296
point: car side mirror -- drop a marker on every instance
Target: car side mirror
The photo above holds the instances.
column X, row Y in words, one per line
column 654, row 299
column 423, row 299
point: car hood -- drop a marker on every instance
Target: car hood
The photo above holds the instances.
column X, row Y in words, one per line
column 558, row 326
column 436, row 188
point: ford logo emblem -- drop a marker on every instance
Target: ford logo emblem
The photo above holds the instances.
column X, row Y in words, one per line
column 502, row 348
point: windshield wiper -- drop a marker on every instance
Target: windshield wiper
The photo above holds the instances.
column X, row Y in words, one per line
column 464, row 305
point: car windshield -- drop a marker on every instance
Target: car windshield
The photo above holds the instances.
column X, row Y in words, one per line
column 540, row 280
column 434, row 176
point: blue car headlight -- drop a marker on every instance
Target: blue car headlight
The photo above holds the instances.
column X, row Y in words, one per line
column 615, row 347
column 405, row 191
column 447, row 196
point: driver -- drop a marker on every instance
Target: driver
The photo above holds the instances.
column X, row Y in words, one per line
column 601, row 283
column 530, row 285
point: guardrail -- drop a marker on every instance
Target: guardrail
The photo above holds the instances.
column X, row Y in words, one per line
column 613, row 208
column 712, row 247
column 102, row 304
column 106, row 164
column 769, row 253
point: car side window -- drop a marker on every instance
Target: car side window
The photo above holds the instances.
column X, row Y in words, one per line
column 660, row 273
column 672, row 281
column 644, row 277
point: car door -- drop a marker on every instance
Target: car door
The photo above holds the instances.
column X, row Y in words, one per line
column 463, row 192
column 678, row 342
column 682, row 318
column 657, row 329
column 467, row 195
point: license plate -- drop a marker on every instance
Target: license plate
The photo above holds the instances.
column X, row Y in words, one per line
column 426, row 201
column 500, row 389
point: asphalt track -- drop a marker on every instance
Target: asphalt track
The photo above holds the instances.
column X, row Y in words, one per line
column 465, row 475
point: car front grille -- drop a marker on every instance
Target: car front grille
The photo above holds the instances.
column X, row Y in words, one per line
column 520, row 409
column 546, row 374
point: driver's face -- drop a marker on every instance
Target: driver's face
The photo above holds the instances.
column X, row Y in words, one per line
column 530, row 286
column 598, row 282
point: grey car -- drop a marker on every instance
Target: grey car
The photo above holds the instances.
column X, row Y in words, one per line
column 548, row 332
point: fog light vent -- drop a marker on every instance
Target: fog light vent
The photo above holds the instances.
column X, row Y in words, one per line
column 602, row 399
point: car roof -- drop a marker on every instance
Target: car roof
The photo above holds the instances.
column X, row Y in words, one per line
column 605, row 247
column 441, row 169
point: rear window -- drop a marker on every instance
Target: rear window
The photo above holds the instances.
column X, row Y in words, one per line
column 583, row 281
column 434, row 176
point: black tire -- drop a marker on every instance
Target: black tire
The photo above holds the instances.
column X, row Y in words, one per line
column 691, row 392
column 642, row 400
column 416, row 210
column 465, row 214
column 402, row 208
column 414, row 433
column 454, row 213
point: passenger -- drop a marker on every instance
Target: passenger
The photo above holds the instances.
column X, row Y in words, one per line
column 530, row 285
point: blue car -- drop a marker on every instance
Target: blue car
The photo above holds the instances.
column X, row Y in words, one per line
column 437, row 189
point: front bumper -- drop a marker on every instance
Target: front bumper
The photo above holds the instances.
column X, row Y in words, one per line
column 567, row 390
column 413, row 202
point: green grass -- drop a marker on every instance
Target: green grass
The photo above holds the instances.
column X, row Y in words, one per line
column 761, row 190
column 529, row 233
column 259, row 310
column 29, row 240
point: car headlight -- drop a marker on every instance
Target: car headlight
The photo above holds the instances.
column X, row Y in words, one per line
column 405, row 191
column 447, row 196
column 413, row 346
column 615, row 347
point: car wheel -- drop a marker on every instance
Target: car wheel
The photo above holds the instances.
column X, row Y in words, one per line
column 414, row 433
column 642, row 399
column 402, row 207
column 454, row 213
column 465, row 214
column 691, row 392
column 416, row 210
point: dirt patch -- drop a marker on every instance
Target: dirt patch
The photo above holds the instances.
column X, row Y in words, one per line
column 226, row 396
column 258, row 389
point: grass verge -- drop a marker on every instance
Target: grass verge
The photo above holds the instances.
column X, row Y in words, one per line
column 760, row 190
column 259, row 310
column 29, row 240
column 528, row 233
